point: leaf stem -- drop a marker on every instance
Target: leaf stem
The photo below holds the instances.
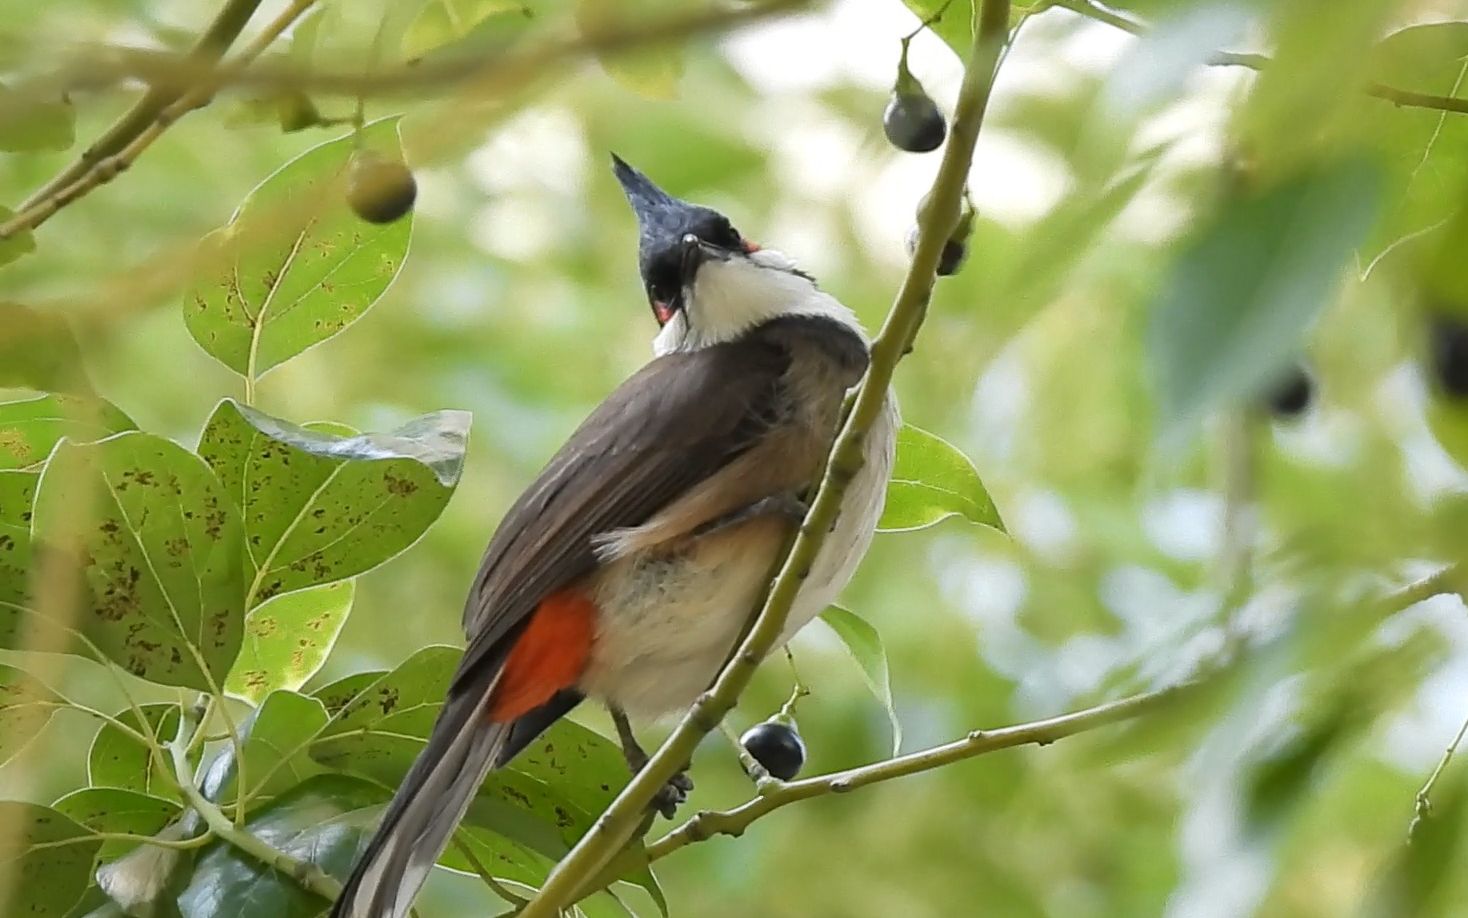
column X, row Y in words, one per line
column 936, row 220
column 1422, row 806
column 308, row 875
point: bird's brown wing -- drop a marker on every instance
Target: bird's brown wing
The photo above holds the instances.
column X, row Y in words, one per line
column 671, row 425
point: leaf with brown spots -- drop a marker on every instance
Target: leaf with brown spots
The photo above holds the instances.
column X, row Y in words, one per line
column 287, row 639
column 115, row 759
column 319, row 507
column 26, row 706
column 295, row 266
column 30, row 428
column 158, row 548
column 48, row 856
column 112, row 809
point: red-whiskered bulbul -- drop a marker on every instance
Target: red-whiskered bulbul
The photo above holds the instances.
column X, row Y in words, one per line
column 629, row 568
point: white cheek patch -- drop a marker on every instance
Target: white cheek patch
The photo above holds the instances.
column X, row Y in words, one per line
column 730, row 297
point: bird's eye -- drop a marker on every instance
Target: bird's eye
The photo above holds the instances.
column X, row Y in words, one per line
column 727, row 236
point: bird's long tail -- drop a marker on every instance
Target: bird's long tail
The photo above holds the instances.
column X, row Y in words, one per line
column 462, row 748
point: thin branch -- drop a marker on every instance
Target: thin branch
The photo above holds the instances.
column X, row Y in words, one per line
column 936, row 219
column 1422, row 808
column 308, row 875
column 1400, row 97
column 108, row 167
column 707, row 824
column 491, row 74
column 221, row 33
column 434, row 72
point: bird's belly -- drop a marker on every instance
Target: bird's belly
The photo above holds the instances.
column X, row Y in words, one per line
column 668, row 621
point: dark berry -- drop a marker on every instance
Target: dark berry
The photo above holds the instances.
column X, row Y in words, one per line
column 379, row 189
column 913, row 123
column 955, row 249
column 1291, row 393
column 1450, row 355
column 777, row 747
column 912, row 120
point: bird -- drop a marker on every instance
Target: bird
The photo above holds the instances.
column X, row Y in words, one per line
column 628, row 569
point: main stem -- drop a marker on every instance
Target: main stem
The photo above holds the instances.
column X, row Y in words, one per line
column 936, row 220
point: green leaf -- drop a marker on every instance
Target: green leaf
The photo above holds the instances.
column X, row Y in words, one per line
column 1238, row 299
column 111, row 809
column 295, row 266
column 17, row 493
column 26, row 706
column 864, row 643
column 22, row 243
column 337, row 695
column 324, row 822
column 955, row 26
column 544, row 799
column 49, row 858
column 31, row 428
column 287, row 638
column 932, row 480
column 39, row 351
column 117, row 760
column 446, row 22
column 160, row 552
column 320, row 507
column 275, row 746
column 31, row 124
column 652, row 73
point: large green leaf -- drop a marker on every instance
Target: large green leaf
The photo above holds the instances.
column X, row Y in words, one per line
column 932, row 480
column 117, row 760
column 323, row 821
column 956, row 24
column 31, row 122
column 159, row 548
column 320, row 507
column 275, row 746
column 17, row 495
column 543, row 800
column 1425, row 151
column 287, row 638
column 26, row 706
column 651, row 72
column 112, row 809
column 1239, row 297
column 49, row 857
column 30, row 428
column 38, row 350
column 442, row 23
column 295, row 266
column 864, row 643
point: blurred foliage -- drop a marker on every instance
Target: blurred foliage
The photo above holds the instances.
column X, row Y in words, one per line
column 1156, row 238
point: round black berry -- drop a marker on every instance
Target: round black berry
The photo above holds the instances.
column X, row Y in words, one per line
column 955, row 249
column 913, row 123
column 1450, row 355
column 912, row 120
column 777, row 747
column 1292, row 393
column 379, row 189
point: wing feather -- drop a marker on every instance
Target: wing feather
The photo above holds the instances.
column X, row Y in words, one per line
column 671, row 425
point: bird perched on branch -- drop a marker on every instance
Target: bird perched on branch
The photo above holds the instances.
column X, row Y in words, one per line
column 628, row 570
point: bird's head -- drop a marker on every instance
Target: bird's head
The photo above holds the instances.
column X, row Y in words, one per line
column 705, row 282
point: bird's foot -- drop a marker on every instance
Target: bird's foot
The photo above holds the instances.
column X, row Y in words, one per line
column 672, row 794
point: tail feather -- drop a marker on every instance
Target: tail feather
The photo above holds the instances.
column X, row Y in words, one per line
column 424, row 812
